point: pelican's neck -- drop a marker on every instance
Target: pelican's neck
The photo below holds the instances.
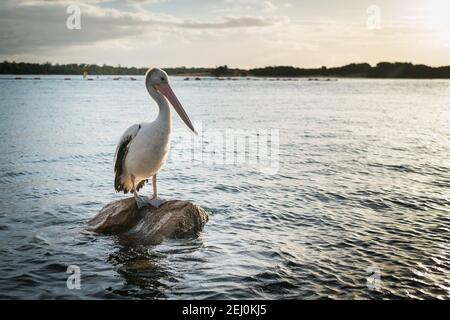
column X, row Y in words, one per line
column 164, row 109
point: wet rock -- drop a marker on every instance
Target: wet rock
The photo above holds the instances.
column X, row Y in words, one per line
column 172, row 220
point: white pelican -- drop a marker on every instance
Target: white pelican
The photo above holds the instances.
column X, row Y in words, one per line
column 143, row 148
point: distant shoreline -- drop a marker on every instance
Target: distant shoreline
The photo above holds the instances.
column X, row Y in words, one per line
column 383, row 70
column 192, row 78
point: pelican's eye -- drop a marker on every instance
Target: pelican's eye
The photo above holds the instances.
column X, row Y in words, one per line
column 162, row 78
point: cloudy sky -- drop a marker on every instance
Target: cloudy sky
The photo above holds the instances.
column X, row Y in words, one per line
column 239, row 33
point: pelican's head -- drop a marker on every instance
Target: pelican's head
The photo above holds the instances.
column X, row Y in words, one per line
column 158, row 80
column 155, row 76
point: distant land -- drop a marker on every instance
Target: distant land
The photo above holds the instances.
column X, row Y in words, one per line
column 357, row 70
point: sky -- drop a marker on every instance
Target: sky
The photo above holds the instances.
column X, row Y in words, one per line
column 238, row 33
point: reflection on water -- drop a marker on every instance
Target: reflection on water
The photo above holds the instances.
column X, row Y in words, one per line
column 143, row 271
column 363, row 183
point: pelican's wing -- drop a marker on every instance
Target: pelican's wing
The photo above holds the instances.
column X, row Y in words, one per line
column 121, row 153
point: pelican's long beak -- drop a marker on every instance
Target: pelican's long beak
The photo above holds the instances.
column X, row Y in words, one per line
column 166, row 90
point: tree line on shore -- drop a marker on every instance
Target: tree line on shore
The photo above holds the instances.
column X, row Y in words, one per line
column 364, row 70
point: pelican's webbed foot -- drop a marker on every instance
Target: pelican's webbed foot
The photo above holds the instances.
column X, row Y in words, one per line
column 142, row 201
column 157, row 201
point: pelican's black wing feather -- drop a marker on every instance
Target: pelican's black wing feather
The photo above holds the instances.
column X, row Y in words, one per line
column 120, row 155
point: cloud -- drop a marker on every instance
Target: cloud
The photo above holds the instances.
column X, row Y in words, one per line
column 235, row 22
column 28, row 26
column 249, row 5
column 34, row 25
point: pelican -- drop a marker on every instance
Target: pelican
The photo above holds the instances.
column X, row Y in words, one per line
column 144, row 147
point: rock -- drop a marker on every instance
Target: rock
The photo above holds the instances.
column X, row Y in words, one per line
column 174, row 219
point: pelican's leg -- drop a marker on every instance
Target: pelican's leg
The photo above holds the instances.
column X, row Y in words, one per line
column 134, row 186
column 140, row 200
column 155, row 187
column 136, row 196
column 155, row 200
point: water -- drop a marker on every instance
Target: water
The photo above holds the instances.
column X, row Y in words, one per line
column 362, row 191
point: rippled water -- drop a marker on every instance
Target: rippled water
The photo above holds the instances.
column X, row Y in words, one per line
column 363, row 189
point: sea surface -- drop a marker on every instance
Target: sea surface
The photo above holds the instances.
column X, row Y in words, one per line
column 358, row 206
